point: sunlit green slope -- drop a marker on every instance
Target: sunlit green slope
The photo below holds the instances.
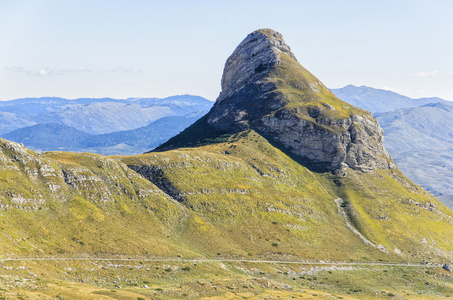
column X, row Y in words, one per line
column 241, row 198
column 67, row 204
column 251, row 198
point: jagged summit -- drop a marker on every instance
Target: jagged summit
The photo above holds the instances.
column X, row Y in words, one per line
column 257, row 53
column 264, row 88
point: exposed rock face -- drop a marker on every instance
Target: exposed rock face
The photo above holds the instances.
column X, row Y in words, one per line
column 264, row 88
column 39, row 181
column 259, row 52
column 355, row 142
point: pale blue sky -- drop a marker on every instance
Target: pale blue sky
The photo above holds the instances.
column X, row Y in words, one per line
column 138, row 48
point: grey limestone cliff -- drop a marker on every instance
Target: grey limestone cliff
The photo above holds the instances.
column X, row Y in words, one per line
column 264, row 88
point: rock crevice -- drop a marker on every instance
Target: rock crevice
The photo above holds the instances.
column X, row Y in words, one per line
column 156, row 175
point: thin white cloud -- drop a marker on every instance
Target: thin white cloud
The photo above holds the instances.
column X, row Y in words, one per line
column 46, row 71
column 15, row 69
column 42, row 73
column 426, row 74
column 389, row 88
column 49, row 71
column 74, row 70
column 121, row 69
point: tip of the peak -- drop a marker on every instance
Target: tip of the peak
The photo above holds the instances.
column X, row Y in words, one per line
column 268, row 32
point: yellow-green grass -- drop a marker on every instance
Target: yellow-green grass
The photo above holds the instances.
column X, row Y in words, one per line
column 238, row 199
column 396, row 213
column 106, row 209
column 254, row 200
column 250, row 198
column 131, row 279
column 301, row 91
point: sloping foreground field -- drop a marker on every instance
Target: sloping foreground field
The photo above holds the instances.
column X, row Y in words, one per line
column 194, row 279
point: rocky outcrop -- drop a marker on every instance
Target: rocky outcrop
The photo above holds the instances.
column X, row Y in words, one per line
column 264, row 88
column 355, row 142
column 259, row 52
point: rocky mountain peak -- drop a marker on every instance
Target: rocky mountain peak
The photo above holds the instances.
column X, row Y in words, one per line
column 256, row 54
column 264, row 88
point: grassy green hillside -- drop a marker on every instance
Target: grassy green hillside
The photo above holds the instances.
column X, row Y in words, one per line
column 252, row 199
column 238, row 199
column 242, row 197
column 66, row 203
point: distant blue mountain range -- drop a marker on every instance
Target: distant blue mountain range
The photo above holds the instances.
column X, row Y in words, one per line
column 377, row 100
column 104, row 126
column 418, row 133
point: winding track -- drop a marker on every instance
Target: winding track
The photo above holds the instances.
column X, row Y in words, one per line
column 205, row 260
